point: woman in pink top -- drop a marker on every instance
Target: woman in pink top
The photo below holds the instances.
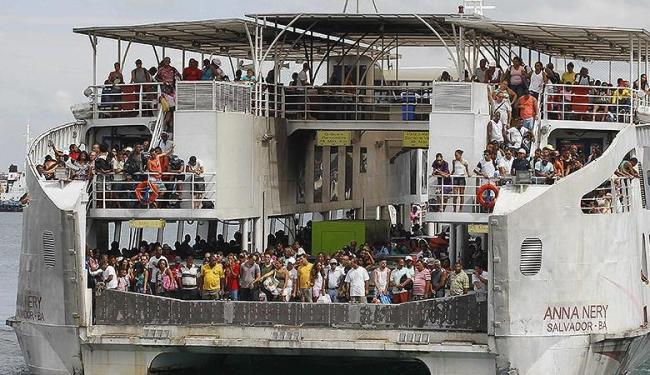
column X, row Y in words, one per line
column 516, row 74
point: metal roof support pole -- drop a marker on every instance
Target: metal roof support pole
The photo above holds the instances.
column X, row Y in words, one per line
column 455, row 61
column 164, row 52
column 461, row 53
column 610, row 71
column 155, row 52
column 509, row 53
column 126, row 53
column 638, row 64
column 529, row 57
column 275, row 40
column 646, row 59
column 119, row 50
column 93, row 44
column 183, row 58
column 397, row 59
column 497, row 52
column 631, row 58
column 311, row 59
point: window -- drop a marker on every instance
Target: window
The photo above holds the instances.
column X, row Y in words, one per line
column 363, row 160
column 334, row 174
column 349, row 172
column 318, row 174
column 49, row 255
column 531, row 256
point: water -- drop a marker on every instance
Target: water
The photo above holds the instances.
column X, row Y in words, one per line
column 11, row 361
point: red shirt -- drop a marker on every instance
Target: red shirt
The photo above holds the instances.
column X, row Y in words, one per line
column 192, row 74
column 232, row 277
column 74, row 155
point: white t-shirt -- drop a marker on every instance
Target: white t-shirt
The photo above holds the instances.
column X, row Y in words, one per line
column 459, row 168
column 487, row 168
column 166, row 146
column 189, row 276
column 482, row 287
column 333, row 277
column 503, row 108
column 303, row 77
column 357, row 279
column 545, row 169
column 516, row 136
column 153, row 266
column 110, row 271
column 397, row 275
column 497, row 131
column 506, row 165
column 196, row 167
column 537, row 82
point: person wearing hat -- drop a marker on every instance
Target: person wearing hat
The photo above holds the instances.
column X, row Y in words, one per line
column 334, row 274
column 217, row 72
column 521, row 163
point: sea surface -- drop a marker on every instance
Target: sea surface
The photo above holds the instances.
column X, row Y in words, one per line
column 11, row 360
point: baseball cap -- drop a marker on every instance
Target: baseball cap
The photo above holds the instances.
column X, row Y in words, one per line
column 333, row 261
column 522, row 151
column 408, row 257
column 291, row 260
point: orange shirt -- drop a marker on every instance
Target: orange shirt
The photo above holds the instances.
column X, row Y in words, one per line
column 154, row 167
column 527, row 107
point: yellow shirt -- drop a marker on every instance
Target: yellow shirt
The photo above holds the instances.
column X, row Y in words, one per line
column 212, row 277
column 304, row 276
column 568, row 77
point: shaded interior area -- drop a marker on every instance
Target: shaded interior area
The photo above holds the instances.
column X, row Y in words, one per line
column 253, row 364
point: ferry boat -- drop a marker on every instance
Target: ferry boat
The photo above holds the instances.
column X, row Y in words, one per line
column 567, row 288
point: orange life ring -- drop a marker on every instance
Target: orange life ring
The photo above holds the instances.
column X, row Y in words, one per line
column 146, row 192
column 488, row 205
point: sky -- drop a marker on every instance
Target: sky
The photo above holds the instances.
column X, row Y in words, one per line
column 44, row 67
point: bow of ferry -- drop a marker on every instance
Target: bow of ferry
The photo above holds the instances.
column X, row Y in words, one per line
column 565, row 292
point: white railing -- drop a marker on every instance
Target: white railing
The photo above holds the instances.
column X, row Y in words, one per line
column 125, row 100
column 591, row 103
column 376, row 103
column 213, row 96
column 452, row 97
column 157, row 130
column 174, row 190
column 61, row 137
column 612, row 197
column 459, row 194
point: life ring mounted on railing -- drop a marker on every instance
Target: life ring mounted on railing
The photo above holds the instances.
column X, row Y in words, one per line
column 488, row 204
column 146, row 192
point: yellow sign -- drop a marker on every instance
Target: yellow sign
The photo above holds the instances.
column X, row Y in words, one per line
column 333, row 138
column 156, row 224
column 415, row 139
column 477, row 228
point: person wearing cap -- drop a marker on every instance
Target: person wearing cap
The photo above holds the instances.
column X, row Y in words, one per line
column 401, row 280
column 140, row 74
column 217, row 72
column 409, row 262
column 487, row 167
column 521, row 163
column 192, row 72
column 333, row 276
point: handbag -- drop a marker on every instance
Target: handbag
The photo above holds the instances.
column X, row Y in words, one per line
column 324, row 299
column 169, row 283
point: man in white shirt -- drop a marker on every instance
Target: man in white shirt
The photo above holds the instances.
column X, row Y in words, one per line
column 495, row 129
column 516, row 135
column 400, row 279
column 166, row 146
column 544, row 168
column 333, row 279
column 505, row 164
column 479, row 282
column 357, row 281
column 189, row 275
column 486, row 167
column 109, row 276
column 303, row 76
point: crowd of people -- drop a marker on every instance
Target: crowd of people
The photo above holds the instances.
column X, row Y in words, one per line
column 220, row 271
column 123, row 169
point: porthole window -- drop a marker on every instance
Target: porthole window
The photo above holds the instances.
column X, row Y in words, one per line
column 531, row 256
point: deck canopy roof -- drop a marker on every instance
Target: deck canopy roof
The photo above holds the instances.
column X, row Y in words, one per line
column 233, row 37
column 579, row 42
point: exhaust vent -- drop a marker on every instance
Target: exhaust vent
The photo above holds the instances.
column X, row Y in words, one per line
column 49, row 254
column 531, row 256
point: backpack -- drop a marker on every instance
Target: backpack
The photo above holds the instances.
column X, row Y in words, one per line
column 130, row 166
